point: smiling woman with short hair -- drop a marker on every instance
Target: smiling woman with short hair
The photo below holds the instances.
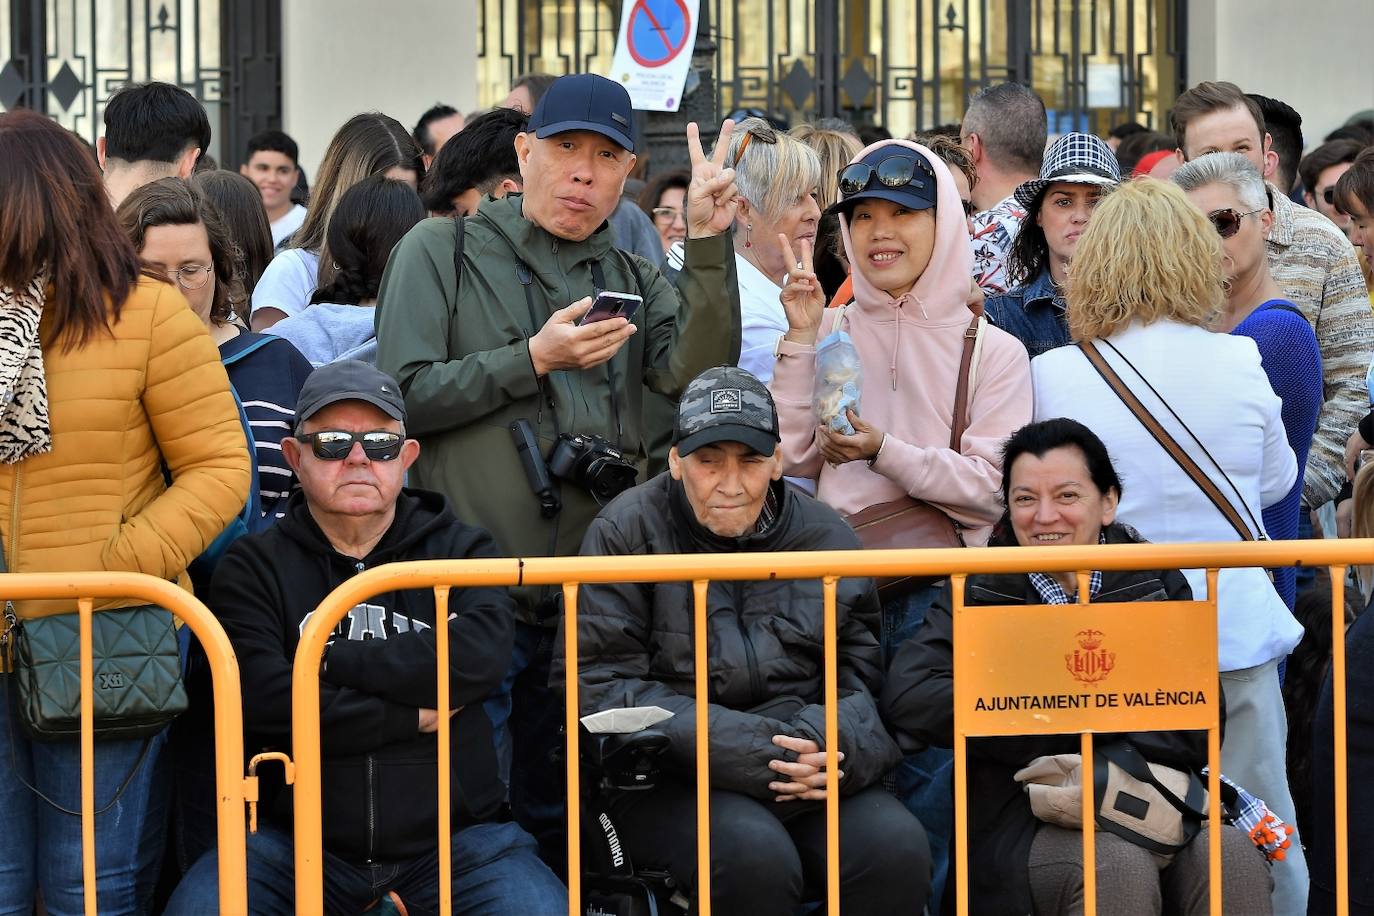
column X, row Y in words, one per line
column 1060, row 489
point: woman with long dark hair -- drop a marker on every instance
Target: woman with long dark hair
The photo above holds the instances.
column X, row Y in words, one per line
column 111, row 379
column 368, row 144
column 1077, row 171
column 371, row 218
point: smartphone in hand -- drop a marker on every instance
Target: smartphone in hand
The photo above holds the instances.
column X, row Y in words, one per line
column 610, row 304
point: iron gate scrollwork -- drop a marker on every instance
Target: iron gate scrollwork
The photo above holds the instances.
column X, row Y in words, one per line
column 66, row 57
column 906, row 64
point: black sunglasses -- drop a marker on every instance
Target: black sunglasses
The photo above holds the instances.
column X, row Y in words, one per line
column 1329, row 195
column 892, row 172
column 336, row 444
column 1227, row 222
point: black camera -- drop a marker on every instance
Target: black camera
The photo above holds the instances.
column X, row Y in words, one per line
column 592, row 462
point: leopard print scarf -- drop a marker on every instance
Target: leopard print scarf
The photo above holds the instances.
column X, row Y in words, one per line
column 24, row 428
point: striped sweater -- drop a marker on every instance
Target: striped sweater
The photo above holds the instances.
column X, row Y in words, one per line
column 267, row 382
column 1315, row 266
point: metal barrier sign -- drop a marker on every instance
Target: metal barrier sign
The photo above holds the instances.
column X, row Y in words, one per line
column 1060, row 669
column 1064, row 668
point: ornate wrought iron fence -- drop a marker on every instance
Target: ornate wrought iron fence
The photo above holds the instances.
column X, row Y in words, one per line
column 66, row 57
column 906, row 64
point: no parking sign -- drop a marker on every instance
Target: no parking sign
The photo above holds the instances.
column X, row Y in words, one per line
column 655, row 51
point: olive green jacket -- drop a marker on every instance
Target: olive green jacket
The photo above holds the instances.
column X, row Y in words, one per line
column 460, row 352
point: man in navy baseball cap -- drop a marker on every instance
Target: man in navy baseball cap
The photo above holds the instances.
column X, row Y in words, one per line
column 480, row 322
column 585, row 101
column 575, row 155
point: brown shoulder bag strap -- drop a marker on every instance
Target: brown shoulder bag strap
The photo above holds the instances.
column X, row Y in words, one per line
column 960, row 425
column 1166, row 441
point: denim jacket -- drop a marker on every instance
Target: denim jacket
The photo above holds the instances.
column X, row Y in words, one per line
column 1033, row 313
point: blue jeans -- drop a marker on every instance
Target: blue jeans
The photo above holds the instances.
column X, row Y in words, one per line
column 924, row 782
column 495, row 873
column 527, row 717
column 43, row 845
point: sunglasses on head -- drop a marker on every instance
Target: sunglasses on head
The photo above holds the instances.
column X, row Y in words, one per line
column 1227, row 222
column 892, row 172
column 336, row 444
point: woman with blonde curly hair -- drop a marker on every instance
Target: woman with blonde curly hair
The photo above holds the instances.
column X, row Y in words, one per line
column 1144, row 289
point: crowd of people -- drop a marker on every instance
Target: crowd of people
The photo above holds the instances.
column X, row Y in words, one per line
column 502, row 335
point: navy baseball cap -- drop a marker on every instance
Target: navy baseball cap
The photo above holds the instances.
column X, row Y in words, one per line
column 585, row 101
column 890, row 172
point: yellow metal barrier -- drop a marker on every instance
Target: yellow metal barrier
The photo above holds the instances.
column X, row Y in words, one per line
column 81, row 589
column 572, row 572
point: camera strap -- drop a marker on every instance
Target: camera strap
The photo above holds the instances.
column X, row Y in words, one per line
column 522, row 273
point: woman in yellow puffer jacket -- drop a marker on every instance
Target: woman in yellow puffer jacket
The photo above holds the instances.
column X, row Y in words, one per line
column 105, row 377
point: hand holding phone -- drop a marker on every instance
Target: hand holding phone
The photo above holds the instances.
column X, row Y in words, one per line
column 611, row 304
column 568, row 341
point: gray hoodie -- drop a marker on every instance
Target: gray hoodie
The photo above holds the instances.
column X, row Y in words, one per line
column 326, row 332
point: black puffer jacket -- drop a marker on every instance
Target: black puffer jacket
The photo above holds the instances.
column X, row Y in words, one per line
column 764, row 641
column 918, row 701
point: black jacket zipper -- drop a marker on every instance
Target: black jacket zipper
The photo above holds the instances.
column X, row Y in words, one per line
column 371, row 806
column 751, row 658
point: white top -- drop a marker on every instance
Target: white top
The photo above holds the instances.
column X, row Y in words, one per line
column 1215, row 384
column 287, row 225
column 288, row 282
column 762, row 319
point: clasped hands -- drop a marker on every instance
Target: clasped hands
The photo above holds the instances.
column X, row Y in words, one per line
column 804, row 779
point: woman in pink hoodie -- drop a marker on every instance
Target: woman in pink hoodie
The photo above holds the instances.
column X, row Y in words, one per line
column 904, row 232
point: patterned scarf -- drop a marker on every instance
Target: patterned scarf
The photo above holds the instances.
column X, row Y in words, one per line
column 24, row 428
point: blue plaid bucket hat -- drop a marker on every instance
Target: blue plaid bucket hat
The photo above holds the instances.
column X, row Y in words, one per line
column 1075, row 158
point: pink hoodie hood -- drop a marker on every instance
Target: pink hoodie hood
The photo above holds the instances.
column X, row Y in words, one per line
column 941, row 292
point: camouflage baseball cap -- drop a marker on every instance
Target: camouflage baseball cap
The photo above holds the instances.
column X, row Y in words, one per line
column 726, row 404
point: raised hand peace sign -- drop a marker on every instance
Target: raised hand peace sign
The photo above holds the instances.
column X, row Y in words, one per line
column 711, row 196
column 803, row 300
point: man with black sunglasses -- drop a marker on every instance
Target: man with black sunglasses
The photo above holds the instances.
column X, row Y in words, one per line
column 378, row 682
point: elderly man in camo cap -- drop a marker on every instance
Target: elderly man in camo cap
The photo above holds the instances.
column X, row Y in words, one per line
column 724, row 493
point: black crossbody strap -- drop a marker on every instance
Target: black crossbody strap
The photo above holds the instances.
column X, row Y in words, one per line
column 1170, row 444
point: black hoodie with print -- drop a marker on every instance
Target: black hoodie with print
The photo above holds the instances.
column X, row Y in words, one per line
column 380, row 786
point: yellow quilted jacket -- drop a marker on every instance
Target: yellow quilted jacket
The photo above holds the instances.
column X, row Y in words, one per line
column 154, row 390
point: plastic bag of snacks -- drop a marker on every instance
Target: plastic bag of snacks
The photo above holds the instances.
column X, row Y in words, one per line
column 839, row 379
